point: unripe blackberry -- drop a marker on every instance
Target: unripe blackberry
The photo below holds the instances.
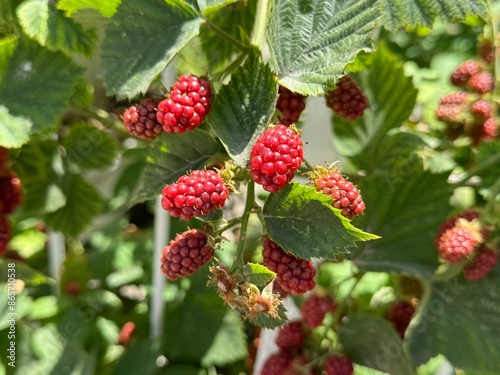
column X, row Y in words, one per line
column 187, row 105
column 11, row 193
column 296, row 275
column 283, row 363
column 452, row 113
column 290, row 105
column 126, row 333
column 315, row 308
column 481, row 265
column 4, row 233
column 345, row 195
column 291, row 336
column 468, row 215
column 459, row 97
column 481, row 109
column 459, row 242
column 347, row 99
column 464, row 72
column 486, row 51
column 187, row 253
column 482, row 82
column 338, row 365
column 195, row 194
column 275, row 156
column 72, row 288
column 400, row 314
column 489, row 130
column 140, row 120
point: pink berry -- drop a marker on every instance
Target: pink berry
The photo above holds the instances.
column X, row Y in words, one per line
column 315, row 308
column 347, row 99
column 290, row 105
column 481, row 265
column 140, row 120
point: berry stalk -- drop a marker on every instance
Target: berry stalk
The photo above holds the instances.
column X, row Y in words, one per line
column 261, row 20
column 250, row 201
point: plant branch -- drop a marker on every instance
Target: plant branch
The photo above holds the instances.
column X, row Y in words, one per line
column 494, row 160
column 260, row 25
column 244, row 225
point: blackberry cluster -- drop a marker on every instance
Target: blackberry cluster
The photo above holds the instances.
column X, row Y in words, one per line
column 470, row 111
column 347, row 99
column 187, row 105
column 400, row 314
column 296, row 275
column 140, row 120
column 195, row 194
column 187, row 253
column 479, row 267
column 290, row 105
column 338, row 364
column 11, row 196
column 285, row 363
column 275, row 156
column 291, row 336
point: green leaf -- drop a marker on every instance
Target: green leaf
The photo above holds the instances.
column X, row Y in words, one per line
column 139, row 359
column 83, row 202
column 48, row 306
column 271, row 322
column 460, row 320
column 488, row 162
column 211, row 5
column 303, row 222
column 236, row 116
column 107, row 8
column 14, row 130
column 37, row 84
column 25, row 273
column 153, row 32
column 89, row 148
column 41, row 21
column 312, row 41
column 397, row 197
column 7, row 48
column 30, row 162
column 172, row 155
column 373, row 342
column 431, row 367
column 400, row 13
column 257, row 274
column 391, row 95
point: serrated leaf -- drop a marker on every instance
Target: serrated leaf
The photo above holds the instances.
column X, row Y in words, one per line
column 89, row 148
column 237, row 117
column 391, row 95
column 373, row 342
column 7, row 48
column 397, row 197
column 311, row 42
column 83, row 94
column 83, row 202
column 106, row 8
column 49, row 26
column 460, row 320
column 271, row 322
column 400, row 13
column 172, row 155
column 257, row 274
column 304, row 223
column 488, row 162
column 14, row 130
column 37, row 84
column 30, row 162
column 48, row 306
column 155, row 32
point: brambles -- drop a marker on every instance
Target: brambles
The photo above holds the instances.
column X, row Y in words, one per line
column 290, row 105
column 479, row 267
column 315, row 308
column 140, row 120
column 346, row 196
column 187, row 105
column 187, row 253
column 276, row 155
column 195, row 194
column 295, row 275
column 347, row 99
column 400, row 314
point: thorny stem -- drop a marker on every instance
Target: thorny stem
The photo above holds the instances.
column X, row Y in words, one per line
column 244, row 225
column 231, row 223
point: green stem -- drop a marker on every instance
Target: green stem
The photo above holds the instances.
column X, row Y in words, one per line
column 492, row 201
column 261, row 20
column 231, row 223
column 228, row 38
column 496, row 44
column 309, row 166
column 494, row 160
column 244, row 225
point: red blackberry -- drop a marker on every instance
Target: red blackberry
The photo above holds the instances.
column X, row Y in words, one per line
column 296, row 275
column 400, row 314
column 187, row 105
column 489, row 130
column 481, row 109
column 458, row 243
column 290, row 336
column 187, row 253
column 195, row 194
column 482, row 82
column 481, row 265
column 140, row 120
column 4, row 157
column 315, row 308
column 290, row 105
column 486, row 51
column 347, row 99
column 452, row 113
column 10, row 192
column 277, row 288
column 338, row 365
column 4, row 233
column 274, row 158
column 464, row 72
column 126, row 333
column 346, row 196
column 468, row 215
column 459, row 97
column 283, row 363
column 73, row 288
